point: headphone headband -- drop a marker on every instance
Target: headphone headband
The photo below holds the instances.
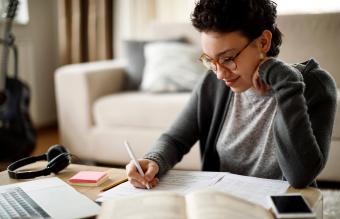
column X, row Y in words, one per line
column 58, row 159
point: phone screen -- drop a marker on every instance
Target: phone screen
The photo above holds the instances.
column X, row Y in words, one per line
column 290, row 204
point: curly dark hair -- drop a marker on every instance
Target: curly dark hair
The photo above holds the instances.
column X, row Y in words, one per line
column 250, row 17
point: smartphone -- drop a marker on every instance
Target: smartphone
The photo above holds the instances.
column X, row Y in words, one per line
column 291, row 205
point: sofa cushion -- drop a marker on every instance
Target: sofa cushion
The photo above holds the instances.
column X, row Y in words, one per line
column 132, row 109
column 134, row 53
column 171, row 67
column 139, row 109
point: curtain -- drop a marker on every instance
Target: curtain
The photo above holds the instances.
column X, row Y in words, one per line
column 85, row 30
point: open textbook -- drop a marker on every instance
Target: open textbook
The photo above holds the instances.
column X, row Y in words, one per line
column 207, row 204
column 252, row 189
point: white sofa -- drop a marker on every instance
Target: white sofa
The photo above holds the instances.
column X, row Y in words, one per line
column 95, row 116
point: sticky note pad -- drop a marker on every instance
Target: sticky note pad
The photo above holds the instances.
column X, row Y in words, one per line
column 90, row 178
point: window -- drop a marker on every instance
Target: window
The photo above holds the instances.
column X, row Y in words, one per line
column 21, row 13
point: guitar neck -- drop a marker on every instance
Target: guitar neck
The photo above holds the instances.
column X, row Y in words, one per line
column 5, row 52
column 7, row 41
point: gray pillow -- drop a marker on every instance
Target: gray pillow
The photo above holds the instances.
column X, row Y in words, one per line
column 134, row 52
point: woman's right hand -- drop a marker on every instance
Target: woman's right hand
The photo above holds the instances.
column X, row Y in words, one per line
column 150, row 169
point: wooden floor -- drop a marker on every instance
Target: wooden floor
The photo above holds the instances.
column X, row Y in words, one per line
column 46, row 137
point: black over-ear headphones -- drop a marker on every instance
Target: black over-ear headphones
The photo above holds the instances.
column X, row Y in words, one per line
column 57, row 156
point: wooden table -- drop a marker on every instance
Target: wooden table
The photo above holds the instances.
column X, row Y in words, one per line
column 90, row 192
column 312, row 195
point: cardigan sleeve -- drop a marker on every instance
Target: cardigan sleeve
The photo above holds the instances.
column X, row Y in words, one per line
column 170, row 147
column 304, row 119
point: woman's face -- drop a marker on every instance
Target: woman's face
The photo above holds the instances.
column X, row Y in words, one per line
column 229, row 48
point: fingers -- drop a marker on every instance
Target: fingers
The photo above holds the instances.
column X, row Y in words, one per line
column 259, row 85
column 150, row 169
column 256, row 81
column 154, row 182
column 132, row 173
column 136, row 183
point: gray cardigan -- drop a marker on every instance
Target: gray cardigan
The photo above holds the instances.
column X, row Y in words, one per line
column 306, row 101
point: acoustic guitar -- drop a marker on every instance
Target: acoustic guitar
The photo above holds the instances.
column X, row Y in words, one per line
column 17, row 134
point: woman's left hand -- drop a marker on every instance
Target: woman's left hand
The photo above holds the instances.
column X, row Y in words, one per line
column 260, row 87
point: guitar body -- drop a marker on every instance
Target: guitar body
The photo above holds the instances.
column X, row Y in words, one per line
column 17, row 135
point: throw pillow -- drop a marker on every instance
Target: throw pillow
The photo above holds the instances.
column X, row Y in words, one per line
column 134, row 53
column 171, row 67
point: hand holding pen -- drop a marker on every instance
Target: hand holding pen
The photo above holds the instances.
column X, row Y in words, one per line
column 141, row 173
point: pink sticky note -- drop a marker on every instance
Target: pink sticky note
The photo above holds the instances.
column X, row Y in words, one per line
column 87, row 177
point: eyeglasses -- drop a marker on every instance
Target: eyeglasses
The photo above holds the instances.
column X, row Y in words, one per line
column 228, row 63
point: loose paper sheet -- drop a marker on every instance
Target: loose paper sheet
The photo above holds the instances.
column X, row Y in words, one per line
column 253, row 189
column 175, row 181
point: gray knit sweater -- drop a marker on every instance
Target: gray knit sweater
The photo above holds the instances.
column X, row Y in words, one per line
column 246, row 142
column 302, row 126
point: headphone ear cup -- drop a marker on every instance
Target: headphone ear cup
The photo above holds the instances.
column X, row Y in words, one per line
column 59, row 163
column 55, row 151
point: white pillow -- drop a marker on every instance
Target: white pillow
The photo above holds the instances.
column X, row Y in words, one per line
column 171, row 67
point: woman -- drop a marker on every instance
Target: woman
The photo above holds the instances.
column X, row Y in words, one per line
column 252, row 113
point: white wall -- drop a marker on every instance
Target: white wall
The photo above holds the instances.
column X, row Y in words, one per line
column 37, row 45
column 307, row 6
column 174, row 10
column 133, row 18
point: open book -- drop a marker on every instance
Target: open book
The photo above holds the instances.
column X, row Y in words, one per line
column 207, row 204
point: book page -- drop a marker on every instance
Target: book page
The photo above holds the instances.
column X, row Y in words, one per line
column 211, row 204
column 147, row 206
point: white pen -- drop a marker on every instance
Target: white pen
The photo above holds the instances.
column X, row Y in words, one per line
column 134, row 160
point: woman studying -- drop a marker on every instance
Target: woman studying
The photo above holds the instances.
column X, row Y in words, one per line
column 252, row 113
